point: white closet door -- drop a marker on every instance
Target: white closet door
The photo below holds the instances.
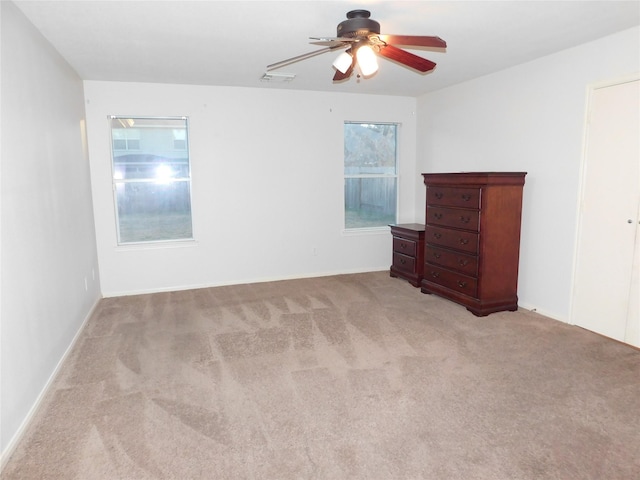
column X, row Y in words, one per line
column 603, row 297
column 633, row 315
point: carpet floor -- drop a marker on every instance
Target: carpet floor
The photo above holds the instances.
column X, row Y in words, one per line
column 345, row 377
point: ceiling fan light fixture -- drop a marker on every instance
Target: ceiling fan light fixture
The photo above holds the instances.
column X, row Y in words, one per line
column 343, row 62
column 367, row 60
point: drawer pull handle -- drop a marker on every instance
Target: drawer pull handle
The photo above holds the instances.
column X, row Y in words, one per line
column 435, row 274
column 436, row 254
column 439, row 195
column 462, row 284
column 437, row 235
column 466, row 197
column 437, row 215
column 464, row 241
column 464, row 219
column 463, row 262
column 403, row 245
column 403, row 261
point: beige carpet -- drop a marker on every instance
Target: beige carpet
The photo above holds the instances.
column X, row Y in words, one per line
column 345, row 377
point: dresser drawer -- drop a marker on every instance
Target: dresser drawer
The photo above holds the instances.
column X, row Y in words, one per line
column 452, row 280
column 467, row 264
column 454, row 196
column 404, row 263
column 453, row 217
column 402, row 245
column 455, row 239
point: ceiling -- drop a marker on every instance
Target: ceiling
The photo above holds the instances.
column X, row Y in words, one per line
column 230, row 43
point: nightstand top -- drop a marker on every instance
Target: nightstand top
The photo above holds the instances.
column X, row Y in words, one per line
column 418, row 227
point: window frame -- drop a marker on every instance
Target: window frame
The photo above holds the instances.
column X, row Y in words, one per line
column 396, row 176
column 122, row 181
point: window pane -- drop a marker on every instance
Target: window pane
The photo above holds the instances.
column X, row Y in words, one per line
column 154, row 211
column 150, row 167
column 369, row 148
column 152, row 180
column 119, row 144
column 369, row 202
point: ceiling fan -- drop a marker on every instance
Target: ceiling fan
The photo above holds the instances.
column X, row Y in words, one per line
column 360, row 36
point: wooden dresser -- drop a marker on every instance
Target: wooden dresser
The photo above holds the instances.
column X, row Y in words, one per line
column 472, row 238
column 408, row 251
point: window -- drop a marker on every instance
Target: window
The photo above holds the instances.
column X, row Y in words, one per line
column 152, row 187
column 125, row 138
column 370, row 174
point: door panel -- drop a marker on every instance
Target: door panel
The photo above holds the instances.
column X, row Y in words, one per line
column 633, row 315
column 609, row 214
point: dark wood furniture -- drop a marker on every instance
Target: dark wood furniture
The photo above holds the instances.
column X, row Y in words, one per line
column 472, row 238
column 408, row 252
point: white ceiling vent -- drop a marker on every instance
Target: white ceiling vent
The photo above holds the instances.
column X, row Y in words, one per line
column 275, row 77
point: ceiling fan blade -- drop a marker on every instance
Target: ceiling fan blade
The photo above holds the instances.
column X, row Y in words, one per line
column 330, row 43
column 339, row 76
column 409, row 59
column 331, row 40
column 414, row 41
column 298, row 58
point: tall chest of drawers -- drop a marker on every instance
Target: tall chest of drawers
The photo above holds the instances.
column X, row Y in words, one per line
column 472, row 238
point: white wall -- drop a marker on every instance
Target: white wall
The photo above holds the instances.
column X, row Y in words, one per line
column 267, row 184
column 48, row 240
column 528, row 118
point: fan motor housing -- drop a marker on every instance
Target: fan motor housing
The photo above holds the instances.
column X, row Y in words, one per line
column 358, row 24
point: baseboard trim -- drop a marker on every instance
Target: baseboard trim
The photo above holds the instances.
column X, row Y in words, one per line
column 552, row 315
column 15, row 440
column 177, row 288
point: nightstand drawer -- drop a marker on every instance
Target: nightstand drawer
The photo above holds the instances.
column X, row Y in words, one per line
column 402, row 245
column 404, row 263
column 453, row 217
column 455, row 239
column 454, row 197
column 467, row 264
column 451, row 280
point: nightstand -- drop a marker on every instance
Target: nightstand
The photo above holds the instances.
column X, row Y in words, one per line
column 408, row 252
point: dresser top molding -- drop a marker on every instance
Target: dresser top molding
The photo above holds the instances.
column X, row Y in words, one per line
column 475, row 178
